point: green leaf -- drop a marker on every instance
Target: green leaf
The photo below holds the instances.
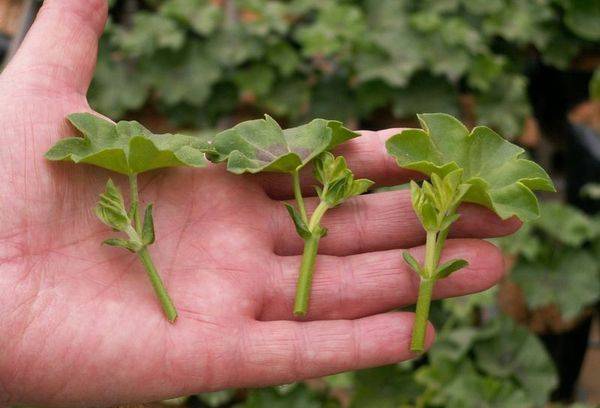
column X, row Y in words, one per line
column 148, row 32
column 299, row 397
column 499, row 177
column 261, row 145
column 566, row 224
column 582, row 17
column 329, row 169
column 569, row 279
column 447, row 268
column 217, row 398
column 301, row 227
column 111, row 208
column 515, row 353
column 338, row 181
column 389, row 386
column 203, row 16
column 412, row 262
column 148, row 227
column 123, row 243
column 126, row 147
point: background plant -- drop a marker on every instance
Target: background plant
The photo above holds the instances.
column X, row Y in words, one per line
column 200, row 61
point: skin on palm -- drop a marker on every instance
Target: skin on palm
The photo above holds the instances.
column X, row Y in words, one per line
column 83, row 325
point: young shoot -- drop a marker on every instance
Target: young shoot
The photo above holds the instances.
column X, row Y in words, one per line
column 262, row 146
column 129, row 149
column 478, row 167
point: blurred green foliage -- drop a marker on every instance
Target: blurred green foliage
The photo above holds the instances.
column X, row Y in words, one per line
column 197, row 61
column 557, row 259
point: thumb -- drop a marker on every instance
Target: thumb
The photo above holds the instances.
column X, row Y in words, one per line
column 59, row 51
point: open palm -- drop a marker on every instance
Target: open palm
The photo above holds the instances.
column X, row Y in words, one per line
column 79, row 323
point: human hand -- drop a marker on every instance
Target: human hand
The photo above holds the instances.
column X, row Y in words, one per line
column 79, row 321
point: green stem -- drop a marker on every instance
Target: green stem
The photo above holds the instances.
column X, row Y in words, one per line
column 417, row 343
column 441, row 240
column 144, row 255
column 309, row 257
column 135, row 202
column 315, row 219
column 157, row 284
column 425, row 290
column 298, row 195
column 430, row 255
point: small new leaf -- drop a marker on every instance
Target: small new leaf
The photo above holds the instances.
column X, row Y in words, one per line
column 111, row 208
column 126, row 147
column 445, row 269
column 338, row 181
column 498, row 175
column 412, row 262
column 261, row 145
column 148, row 227
column 122, row 243
column 301, row 227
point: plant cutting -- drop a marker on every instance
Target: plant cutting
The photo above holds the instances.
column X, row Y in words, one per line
column 261, row 145
column 128, row 148
column 476, row 166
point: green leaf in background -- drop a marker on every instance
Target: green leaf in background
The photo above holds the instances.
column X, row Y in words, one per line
column 261, row 145
column 426, row 93
column 183, row 77
column 497, row 364
column 514, row 353
column 217, row 398
column 569, row 280
column 566, row 224
column 148, row 33
column 203, row 16
column 116, row 87
column 505, row 105
column 384, row 387
column 299, row 397
column 582, row 17
column 337, row 26
column 499, row 177
column 396, row 52
column 126, row 147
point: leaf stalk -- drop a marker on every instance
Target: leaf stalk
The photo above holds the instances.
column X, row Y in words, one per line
column 144, row 256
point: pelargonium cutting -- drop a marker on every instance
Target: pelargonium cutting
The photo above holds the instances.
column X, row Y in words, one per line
column 477, row 166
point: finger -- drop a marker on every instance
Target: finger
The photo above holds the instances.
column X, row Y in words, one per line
column 367, row 157
column 284, row 351
column 361, row 285
column 59, row 51
column 375, row 222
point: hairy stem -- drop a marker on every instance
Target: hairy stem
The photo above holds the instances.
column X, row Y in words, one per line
column 157, row 284
column 298, row 195
column 144, row 255
column 309, row 257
